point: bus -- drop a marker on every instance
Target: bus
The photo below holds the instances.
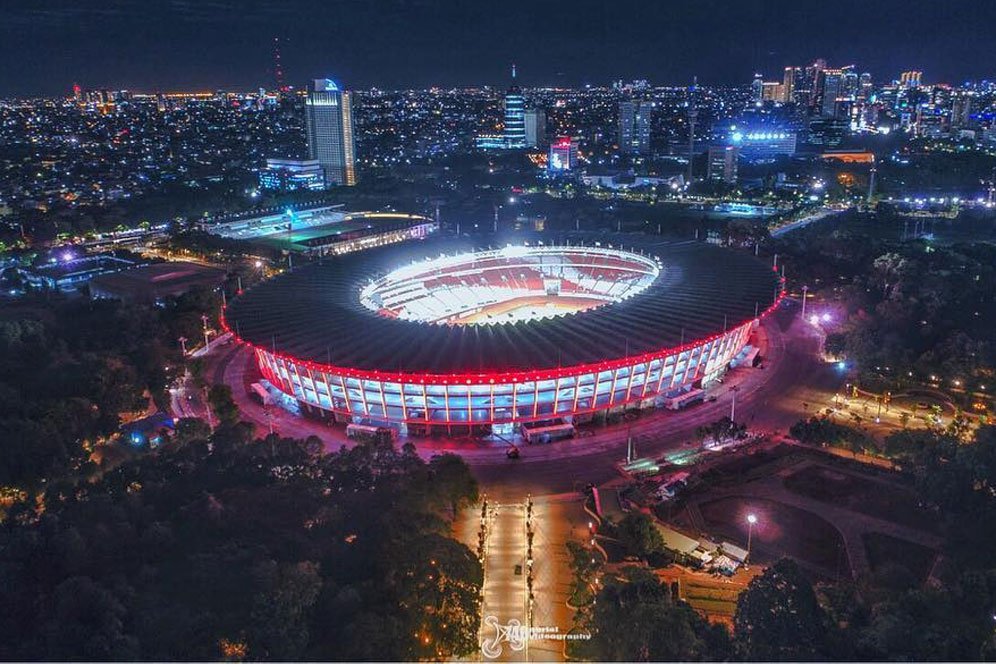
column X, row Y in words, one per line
column 685, row 399
column 260, row 394
column 369, row 433
column 546, row 431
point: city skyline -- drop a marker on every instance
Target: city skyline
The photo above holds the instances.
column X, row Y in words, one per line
column 181, row 45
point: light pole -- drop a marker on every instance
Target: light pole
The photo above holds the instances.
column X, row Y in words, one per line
column 204, row 320
column 733, row 404
column 751, row 520
column 183, row 345
column 805, row 290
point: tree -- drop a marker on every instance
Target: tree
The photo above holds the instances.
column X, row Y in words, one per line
column 453, row 481
column 778, row 617
column 87, row 622
column 639, row 534
column 222, row 404
column 282, row 609
column 190, row 429
column 438, row 583
column 636, row 619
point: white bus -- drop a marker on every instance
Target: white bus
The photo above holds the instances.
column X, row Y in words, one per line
column 367, row 432
column 546, row 431
column 684, row 399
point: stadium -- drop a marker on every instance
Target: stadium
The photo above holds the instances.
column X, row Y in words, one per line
column 503, row 335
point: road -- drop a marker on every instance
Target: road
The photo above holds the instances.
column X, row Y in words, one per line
column 555, row 521
column 506, row 595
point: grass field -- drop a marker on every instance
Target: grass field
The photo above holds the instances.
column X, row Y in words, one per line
column 880, row 500
column 884, row 549
column 781, row 530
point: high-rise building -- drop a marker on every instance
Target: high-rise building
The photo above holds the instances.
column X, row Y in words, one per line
column 757, row 88
column 961, row 110
column 634, row 127
column 762, row 143
column 292, row 175
column 865, row 86
column 811, row 82
column 910, row 79
column 563, row 154
column 515, row 116
column 772, row 91
column 831, row 85
column 329, row 120
column 826, row 132
column 789, row 84
column 723, row 163
column 535, row 126
column 850, row 84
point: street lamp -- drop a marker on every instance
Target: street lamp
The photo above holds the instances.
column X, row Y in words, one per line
column 751, row 520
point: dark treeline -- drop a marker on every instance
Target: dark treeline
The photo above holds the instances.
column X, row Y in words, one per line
column 221, row 546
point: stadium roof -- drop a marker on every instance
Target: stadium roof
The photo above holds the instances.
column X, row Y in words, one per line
column 314, row 313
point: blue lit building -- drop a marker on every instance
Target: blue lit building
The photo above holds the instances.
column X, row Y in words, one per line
column 329, row 121
column 634, row 127
column 292, row 175
column 490, row 142
column 515, row 119
column 762, row 144
column 563, row 155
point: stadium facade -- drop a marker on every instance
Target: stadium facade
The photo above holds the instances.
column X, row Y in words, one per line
column 449, row 335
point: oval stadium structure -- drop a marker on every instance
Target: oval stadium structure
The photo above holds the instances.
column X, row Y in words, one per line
column 485, row 334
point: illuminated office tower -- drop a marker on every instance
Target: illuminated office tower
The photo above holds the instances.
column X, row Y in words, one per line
column 789, row 84
column 515, row 116
column 329, row 120
column 961, row 110
column 535, row 127
column 757, row 88
column 634, row 127
column 910, row 79
column 722, row 164
column 865, row 86
column 563, row 155
column 850, row 84
column 830, row 89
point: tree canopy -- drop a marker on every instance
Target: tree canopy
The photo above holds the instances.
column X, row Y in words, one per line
column 233, row 547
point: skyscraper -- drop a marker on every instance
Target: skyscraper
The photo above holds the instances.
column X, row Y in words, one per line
column 515, row 116
column 910, row 79
column 563, row 155
column 634, row 127
column 961, row 110
column 722, row 165
column 757, row 88
column 850, row 85
column 812, row 79
column 830, row 89
column 329, row 120
column 865, row 86
column 789, row 84
column 535, row 127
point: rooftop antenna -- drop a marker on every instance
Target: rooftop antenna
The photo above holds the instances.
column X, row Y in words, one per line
column 513, row 71
column 693, row 113
column 278, row 70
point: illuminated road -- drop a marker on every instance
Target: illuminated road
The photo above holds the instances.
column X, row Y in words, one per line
column 506, row 596
column 555, row 521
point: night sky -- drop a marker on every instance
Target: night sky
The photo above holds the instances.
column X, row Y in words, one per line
column 149, row 45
